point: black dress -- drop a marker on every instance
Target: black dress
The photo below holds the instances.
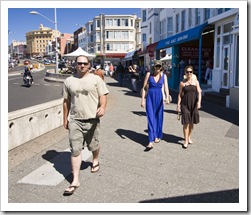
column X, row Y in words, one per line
column 189, row 111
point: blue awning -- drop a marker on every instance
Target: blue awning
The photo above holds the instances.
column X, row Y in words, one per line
column 186, row 36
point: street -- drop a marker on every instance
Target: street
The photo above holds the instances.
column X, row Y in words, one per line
column 40, row 92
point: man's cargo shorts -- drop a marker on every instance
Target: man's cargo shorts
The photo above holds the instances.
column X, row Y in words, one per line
column 83, row 133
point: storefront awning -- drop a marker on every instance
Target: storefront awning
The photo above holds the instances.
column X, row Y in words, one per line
column 186, row 36
column 129, row 55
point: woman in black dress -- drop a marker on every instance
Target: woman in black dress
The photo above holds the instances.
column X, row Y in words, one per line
column 189, row 101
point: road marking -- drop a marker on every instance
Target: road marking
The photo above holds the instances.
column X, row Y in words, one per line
column 54, row 172
column 16, row 83
column 46, row 84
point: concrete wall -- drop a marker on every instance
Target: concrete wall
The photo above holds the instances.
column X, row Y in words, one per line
column 29, row 123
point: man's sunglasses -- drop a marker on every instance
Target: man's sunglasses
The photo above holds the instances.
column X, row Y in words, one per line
column 80, row 63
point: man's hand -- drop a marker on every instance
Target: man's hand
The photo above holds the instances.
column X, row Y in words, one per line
column 100, row 111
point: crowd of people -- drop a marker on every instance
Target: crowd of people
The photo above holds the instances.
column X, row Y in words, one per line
column 85, row 98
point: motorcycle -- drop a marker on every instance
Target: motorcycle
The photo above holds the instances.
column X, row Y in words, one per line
column 27, row 81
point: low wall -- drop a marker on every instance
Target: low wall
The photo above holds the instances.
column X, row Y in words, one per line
column 32, row 122
column 55, row 77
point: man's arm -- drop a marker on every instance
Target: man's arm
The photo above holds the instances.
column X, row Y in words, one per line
column 102, row 106
column 66, row 109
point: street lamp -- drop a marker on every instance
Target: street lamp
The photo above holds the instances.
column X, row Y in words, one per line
column 55, row 22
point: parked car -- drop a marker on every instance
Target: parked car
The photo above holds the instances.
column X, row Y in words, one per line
column 53, row 61
column 47, row 62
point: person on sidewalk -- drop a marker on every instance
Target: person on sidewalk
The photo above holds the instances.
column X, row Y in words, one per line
column 189, row 101
column 84, row 103
column 120, row 71
column 154, row 103
column 134, row 77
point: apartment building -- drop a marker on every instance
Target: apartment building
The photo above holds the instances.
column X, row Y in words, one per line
column 194, row 35
column 37, row 40
column 111, row 37
column 17, row 49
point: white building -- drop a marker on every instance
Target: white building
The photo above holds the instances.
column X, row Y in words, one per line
column 195, row 36
column 111, row 37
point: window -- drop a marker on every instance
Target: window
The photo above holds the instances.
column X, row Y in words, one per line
column 170, row 25
column 144, row 37
column 124, row 22
column 115, row 22
column 206, row 14
column 108, row 22
column 131, row 22
column 118, row 22
column 98, row 47
column 237, row 62
column 197, row 16
column 218, row 30
column 144, row 16
column 183, row 19
column 98, row 23
column 117, row 34
column 150, row 28
column 220, row 10
column 108, row 46
column 217, row 58
column 177, row 22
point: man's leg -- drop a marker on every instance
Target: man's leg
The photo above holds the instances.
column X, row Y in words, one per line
column 95, row 162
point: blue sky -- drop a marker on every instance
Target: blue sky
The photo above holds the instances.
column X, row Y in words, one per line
column 21, row 21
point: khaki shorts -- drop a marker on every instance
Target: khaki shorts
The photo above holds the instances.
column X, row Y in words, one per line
column 83, row 133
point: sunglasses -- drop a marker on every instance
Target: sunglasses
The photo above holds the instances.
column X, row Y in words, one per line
column 80, row 63
column 189, row 71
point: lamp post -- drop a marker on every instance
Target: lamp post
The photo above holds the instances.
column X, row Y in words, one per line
column 55, row 23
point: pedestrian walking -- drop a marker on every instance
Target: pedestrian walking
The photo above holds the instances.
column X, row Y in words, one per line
column 209, row 67
column 84, row 103
column 99, row 71
column 134, row 76
column 120, row 71
column 154, row 103
column 189, row 101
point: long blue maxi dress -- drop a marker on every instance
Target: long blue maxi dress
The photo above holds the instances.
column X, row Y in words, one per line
column 155, row 108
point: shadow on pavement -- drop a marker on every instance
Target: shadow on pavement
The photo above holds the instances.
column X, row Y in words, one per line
column 62, row 163
column 134, row 136
column 226, row 196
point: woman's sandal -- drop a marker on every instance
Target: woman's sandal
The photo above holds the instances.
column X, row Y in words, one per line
column 157, row 140
column 184, row 146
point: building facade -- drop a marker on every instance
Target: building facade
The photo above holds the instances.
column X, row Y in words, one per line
column 37, row 40
column 195, row 36
column 110, row 37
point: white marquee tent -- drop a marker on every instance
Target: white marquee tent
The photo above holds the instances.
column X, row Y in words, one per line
column 166, row 58
column 78, row 52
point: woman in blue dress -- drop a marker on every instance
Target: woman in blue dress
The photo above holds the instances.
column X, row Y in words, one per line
column 153, row 102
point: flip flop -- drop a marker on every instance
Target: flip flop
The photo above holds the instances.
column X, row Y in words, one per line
column 68, row 193
column 148, row 148
column 157, row 140
column 93, row 167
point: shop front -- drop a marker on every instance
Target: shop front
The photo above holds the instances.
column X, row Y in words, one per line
column 192, row 47
column 226, row 51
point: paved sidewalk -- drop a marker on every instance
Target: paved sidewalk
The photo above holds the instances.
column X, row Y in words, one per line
column 206, row 172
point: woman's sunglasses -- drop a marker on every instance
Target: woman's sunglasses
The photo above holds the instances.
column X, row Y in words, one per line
column 189, row 71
